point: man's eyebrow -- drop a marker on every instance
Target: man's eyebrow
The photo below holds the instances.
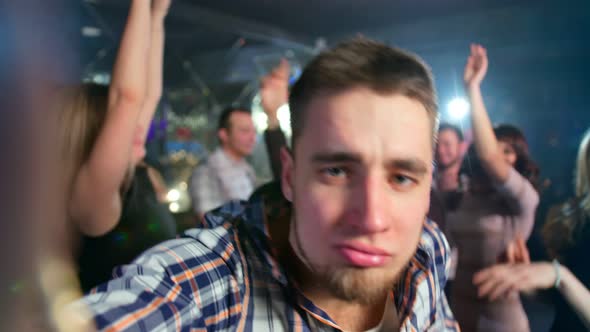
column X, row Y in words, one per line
column 336, row 157
column 413, row 165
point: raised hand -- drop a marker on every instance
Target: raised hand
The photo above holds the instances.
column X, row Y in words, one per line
column 274, row 92
column 476, row 67
column 160, row 7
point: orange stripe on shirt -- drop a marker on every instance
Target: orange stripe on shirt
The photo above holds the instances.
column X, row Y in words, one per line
column 223, row 315
column 125, row 321
column 246, row 298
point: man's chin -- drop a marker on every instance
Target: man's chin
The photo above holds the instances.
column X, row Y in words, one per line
column 361, row 285
column 444, row 164
column 247, row 152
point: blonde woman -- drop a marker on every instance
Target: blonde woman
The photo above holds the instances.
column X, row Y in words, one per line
column 134, row 219
column 102, row 130
column 567, row 237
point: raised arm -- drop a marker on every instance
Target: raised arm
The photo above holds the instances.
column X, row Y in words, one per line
column 154, row 70
column 96, row 201
column 274, row 92
column 486, row 144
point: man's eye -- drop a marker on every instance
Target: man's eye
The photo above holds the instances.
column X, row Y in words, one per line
column 402, row 180
column 334, row 171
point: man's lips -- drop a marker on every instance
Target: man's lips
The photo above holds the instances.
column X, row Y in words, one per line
column 363, row 255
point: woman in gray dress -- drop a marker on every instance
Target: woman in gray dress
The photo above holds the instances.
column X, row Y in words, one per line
column 498, row 207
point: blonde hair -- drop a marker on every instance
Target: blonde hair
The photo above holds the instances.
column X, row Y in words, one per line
column 565, row 220
column 81, row 111
column 582, row 175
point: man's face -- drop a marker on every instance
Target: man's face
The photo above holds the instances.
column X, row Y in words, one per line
column 240, row 138
column 360, row 183
column 448, row 149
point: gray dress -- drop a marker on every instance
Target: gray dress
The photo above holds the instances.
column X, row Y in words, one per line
column 481, row 228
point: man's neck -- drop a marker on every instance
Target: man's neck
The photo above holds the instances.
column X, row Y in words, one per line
column 447, row 179
column 234, row 156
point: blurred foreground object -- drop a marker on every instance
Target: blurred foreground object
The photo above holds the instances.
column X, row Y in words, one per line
column 36, row 57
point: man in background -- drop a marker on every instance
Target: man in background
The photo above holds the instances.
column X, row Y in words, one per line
column 226, row 175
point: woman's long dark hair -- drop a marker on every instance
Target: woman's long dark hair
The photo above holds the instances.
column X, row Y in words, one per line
column 473, row 169
column 513, row 136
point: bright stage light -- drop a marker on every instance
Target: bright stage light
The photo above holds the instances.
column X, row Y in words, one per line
column 174, row 207
column 458, row 108
column 284, row 116
column 259, row 118
column 173, row 195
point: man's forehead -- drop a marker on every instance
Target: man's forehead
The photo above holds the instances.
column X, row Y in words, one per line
column 448, row 132
column 375, row 132
column 240, row 117
column 242, row 114
column 359, row 106
column 362, row 99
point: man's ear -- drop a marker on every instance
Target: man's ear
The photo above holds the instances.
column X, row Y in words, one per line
column 467, row 140
column 222, row 134
column 463, row 147
column 287, row 172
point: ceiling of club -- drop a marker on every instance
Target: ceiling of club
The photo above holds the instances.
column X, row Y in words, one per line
column 219, row 48
column 216, row 50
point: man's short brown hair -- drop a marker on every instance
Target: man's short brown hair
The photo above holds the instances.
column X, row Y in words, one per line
column 361, row 62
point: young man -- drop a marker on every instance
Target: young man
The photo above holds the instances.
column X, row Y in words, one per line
column 449, row 156
column 447, row 182
column 342, row 244
column 226, row 174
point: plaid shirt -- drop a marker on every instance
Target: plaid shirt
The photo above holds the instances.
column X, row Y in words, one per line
column 224, row 277
column 220, row 179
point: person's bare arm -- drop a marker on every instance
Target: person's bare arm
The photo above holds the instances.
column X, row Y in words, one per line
column 576, row 294
column 499, row 280
column 274, row 92
column 155, row 68
column 486, row 144
column 158, row 183
column 96, row 201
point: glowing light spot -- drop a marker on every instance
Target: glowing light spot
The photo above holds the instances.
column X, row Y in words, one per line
column 173, row 195
column 458, row 108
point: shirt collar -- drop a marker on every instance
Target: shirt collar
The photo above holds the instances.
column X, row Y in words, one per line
column 225, row 158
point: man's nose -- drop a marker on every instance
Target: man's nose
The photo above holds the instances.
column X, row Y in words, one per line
column 371, row 205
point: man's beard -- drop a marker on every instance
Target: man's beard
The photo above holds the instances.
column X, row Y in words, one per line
column 352, row 284
column 363, row 286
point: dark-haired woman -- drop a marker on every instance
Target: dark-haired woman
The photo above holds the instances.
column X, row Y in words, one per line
column 567, row 237
column 497, row 207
